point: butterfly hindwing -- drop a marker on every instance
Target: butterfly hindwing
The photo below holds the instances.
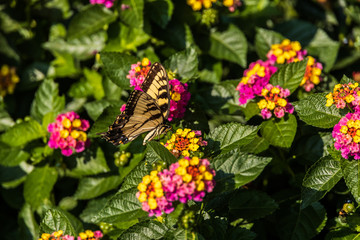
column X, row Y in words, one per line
column 145, row 110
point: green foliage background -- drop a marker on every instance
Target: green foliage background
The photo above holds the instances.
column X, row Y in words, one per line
column 276, row 179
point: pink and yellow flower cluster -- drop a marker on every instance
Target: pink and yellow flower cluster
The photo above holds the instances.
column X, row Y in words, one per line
column 286, row 52
column 138, row 73
column 347, row 135
column 106, row 3
column 345, row 95
column 255, row 78
column 185, row 142
column 180, row 97
column 312, row 74
column 187, row 179
column 68, row 133
column 58, row 235
column 275, row 102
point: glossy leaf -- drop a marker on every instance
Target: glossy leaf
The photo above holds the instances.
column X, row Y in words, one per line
column 351, row 171
column 157, row 152
column 55, row 220
column 184, row 63
column 145, row 230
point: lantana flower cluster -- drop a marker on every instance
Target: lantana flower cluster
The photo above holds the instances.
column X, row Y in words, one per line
column 185, row 142
column 255, row 78
column 345, row 95
column 347, row 135
column 187, row 179
column 275, row 102
column 8, row 80
column 286, row 52
column 180, row 97
column 312, row 74
column 138, row 73
column 197, row 5
column 106, row 3
column 58, row 235
column 68, row 133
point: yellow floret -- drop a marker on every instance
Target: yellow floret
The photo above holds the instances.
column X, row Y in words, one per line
column 194, row 161
column 89, row 233
column 185, row 153
column 356, row 139
column 75, row 134
column 202, row 168
column 270, row 105
column 350, row 123
column 76, row 123
column 64, row 133
column 200, row 186
column 187, row 178
column 193, row 147
column 152, row 203
column 262, row 104
column 264, row 92
column 146, row 179
column 181, row 171
column 145, row 62
column 66, row 123
column 282, row 102
column 142, row 197
column 344, row 129
column 176, row 96
column 275, row 90
column 349, row 98
column 208, row 176
column 142, row 187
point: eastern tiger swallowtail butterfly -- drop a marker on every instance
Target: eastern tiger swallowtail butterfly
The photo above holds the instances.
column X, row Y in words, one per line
column 145, row 110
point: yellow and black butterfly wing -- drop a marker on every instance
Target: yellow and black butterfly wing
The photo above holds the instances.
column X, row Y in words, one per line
column 156, row 85
column 141, row 115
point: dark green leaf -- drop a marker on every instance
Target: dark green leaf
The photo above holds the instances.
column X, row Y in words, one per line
column 55, row 220
column 145, row 230
column 289, row 76
column 89, row 188
column 47, row 100
column 157, row 152
column 320, row 179
column 345, row 80
column 104, row 120
column 251, row 205
column 229, row 45
column 117, row 66
column 160, row 11
column 11, row 157
column 235, row 169
column 184, row 63
column 22, row 133
column 313, row 111
column 133, row 16
column 342, row 234
column 93, row 207
column 264, row 39
column 280, row 132
column 7, row 50
column 39, row 184
column 257, row 145
column 351, row 171
column 135, row 177
column 89, row 20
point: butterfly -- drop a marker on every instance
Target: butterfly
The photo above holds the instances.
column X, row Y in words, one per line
column 145, row 110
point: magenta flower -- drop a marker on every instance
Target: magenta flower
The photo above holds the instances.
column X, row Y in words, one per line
column 68, row 133
column 180, row 97
column 254, row 80
column 347, row 135
column 138, row 73
column 106, row 3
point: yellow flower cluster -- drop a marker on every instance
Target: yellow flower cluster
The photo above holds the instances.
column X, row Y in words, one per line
column 88, row 234
column 312, row 74
column 272, row 99
column 46, row 236
column 286, row 51
column 192, row 170
column 76, row 134
column 196, row 5
column 8, row 80
column 353, row 129
column 256, row 70
column 342, row 94
column 150, row 188
column 182, row 142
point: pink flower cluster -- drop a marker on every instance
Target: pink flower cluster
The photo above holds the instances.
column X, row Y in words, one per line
column 188, row 179
column 254, row 80
column 180, row 97
column 68, row 133
column 347, row 135
column 86, row 235
column 138, row 73
column 106, row 3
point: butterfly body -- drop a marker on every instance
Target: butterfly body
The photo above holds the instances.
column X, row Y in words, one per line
column 145, row 110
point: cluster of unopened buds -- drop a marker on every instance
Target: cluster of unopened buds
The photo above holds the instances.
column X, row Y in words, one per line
column 185, row 142
column 68, row 133
column 345, row 95
column 187, row 179
column 59, row 235
column 275, row 102
column 138, row 73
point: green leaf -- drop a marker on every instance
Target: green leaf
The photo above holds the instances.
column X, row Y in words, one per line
column 251, row 109
column 62, row 66
column 22, row 133
column 320, row 179
column 280, row 132
column 345, row 80
column 229, row 45
column 235, row 169
column 39, row 184
column 146, row 230
column 133, row 16
column 95, row 80
column 92, row 208
column 157, row 152
column 264, row 39
column 251, row 205
column 104, row 120
column 47, row 100
column 231, row 135
column 28, row 225
column 137, row 150
column 351, row 171
column 89, row 162
column 81, row 48
column 342, row 234
column 11, row 157
column 256, row 146
column 135, row 177
column 289, row 76
column 324, row 47
column 160, row 11
column 90, row 20
column 123, row 207
column 95, row 108
column 55, row 220
column 302, row 224
column 5, row 120
column 313, row 111
column 7, row 50
column 117, row 66
column 89, row 188
column 184, row 63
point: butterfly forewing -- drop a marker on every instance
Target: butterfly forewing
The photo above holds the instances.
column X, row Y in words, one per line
column 156, row 86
